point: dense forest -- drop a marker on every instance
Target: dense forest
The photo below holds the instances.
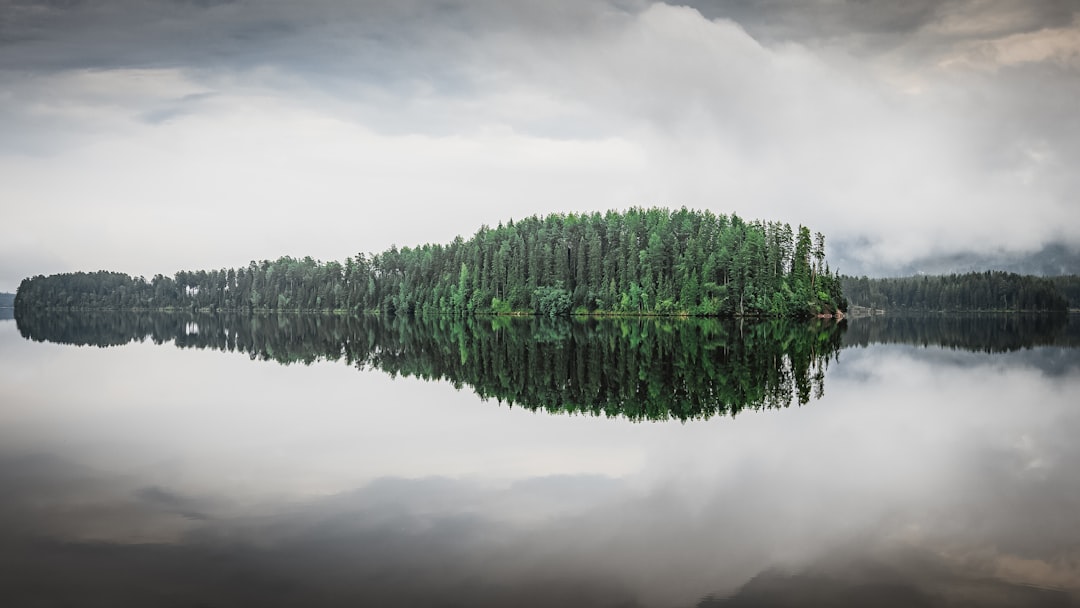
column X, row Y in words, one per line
column 637, row 368
column 970, row 332
column 1068, row 286
column 969, row 292
column 641, row 262
column 7, row 300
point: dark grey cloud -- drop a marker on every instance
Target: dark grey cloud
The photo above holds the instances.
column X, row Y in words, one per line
column 433, row 541
column 125, row 33
column 181, row 106
column 391, row 39
column 903, row 579
column 122, row 34
column 183, row 506
column 875, row 26
column 392, row 543
column 781, row 20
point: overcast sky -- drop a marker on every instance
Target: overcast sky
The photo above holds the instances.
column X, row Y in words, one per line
column 156, row 136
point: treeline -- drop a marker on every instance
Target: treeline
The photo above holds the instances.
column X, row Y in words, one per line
column 642, row 369
column 974, row 291
column 970, row 332
column 642, row 261
column 7, row 300
column 1068, row 286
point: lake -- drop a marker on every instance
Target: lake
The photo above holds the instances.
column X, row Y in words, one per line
column 200, row 460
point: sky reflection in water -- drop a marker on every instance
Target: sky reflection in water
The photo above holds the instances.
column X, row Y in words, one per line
column 147, row 474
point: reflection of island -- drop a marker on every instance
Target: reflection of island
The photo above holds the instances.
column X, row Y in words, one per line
column 638, row 368
column 991, row 333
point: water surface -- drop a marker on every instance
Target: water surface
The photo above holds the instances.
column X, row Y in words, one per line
column 324, row 461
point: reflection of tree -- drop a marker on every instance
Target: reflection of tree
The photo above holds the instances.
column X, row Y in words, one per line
column 639, row 368
column 985, row 333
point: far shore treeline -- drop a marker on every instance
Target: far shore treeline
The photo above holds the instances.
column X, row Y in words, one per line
column 989, row 291
column 641, row 262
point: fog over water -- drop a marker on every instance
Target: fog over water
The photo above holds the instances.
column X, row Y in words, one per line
column 150, row 474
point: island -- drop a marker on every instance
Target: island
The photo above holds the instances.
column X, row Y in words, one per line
column 640, row 261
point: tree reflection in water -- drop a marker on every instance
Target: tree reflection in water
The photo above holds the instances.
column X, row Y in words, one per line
column 638, row 368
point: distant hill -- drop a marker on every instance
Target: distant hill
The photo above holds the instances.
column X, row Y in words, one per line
column 1051, row 260
column 1054, row 259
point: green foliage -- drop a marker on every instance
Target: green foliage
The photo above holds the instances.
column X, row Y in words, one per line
column 642, row 369
column 641, row 261
column 970, row 292
column 552, row 301
column 500, row 307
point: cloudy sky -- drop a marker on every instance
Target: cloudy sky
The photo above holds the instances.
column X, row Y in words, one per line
column 156, row 136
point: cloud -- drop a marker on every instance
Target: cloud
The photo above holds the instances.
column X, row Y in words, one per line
column 875, row 29
column 913, row 129
column 907, row 579
column 785, row 131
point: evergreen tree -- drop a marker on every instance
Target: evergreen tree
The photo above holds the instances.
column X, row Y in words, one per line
column 641, row 261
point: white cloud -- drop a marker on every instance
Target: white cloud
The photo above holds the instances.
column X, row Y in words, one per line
column 793, row 134
column 257, row 175
column 297, row 151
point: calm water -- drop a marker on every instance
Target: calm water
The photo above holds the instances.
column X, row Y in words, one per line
column 318, row 461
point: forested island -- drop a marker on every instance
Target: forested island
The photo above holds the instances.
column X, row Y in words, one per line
column 990, row 291
column 637, row 262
